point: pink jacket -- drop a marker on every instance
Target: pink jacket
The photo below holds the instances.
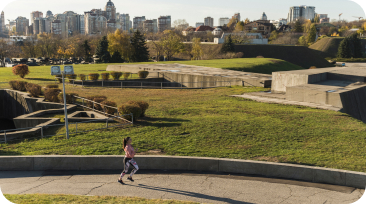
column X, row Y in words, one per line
column 130, row 151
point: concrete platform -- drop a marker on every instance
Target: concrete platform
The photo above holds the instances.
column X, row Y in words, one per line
column 202, row 187
column 190, row 74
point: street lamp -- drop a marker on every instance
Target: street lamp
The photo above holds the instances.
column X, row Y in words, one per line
column 56, row 70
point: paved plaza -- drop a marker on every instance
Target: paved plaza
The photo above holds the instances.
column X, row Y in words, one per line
column 188, row 186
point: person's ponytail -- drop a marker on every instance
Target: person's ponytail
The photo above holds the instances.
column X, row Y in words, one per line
column 125, row 140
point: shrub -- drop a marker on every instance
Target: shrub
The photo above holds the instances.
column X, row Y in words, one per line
column 116, row 75
column 21, row 70
column 59, row 78
column 97, row 106
column 82, row 77
column 312, row 67
column 126, row 75
column 130, row 108
column 34, row 89
column 260, row 56
column 239, row 55
column 51, row 94
column 90, row 104
column 105, row 76
column 94, row 76
column 110, row 111
column 21, row 85
column 69, row 97
column 71, row 77
column 143, row 74
column 52, row 86
column 13, row 85
column 142, row 104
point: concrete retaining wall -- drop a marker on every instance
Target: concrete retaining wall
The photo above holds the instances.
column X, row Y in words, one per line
column 266, row 169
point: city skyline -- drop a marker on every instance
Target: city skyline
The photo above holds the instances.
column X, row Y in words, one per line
column 177, row 10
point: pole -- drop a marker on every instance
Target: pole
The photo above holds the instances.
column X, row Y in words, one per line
column 65, row 106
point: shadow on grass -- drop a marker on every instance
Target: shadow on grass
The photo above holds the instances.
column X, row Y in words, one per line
column 40, row 79
column 8, row 153
column 161, row 122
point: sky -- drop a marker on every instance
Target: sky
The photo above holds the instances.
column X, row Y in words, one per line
column 191, row 10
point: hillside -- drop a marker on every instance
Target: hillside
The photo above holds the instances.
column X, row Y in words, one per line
column 329, row 46
column 298, row 55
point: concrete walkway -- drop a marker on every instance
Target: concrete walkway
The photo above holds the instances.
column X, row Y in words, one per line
column 189, row 186
column 264, row 99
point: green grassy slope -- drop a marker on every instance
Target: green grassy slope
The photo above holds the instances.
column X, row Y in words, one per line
column 298, row 55
column 209, row 123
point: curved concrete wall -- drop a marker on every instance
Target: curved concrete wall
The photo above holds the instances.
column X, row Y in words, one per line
column 266, row 169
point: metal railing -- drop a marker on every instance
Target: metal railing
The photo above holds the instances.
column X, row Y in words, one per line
column 76, row 131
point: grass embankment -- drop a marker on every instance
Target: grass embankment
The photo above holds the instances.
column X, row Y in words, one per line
column 328, row 47
column 41, row 74
column 66, row 199
column 208, row 123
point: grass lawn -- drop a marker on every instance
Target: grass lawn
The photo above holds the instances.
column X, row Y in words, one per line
column 41, row 74
column 66, row 199
column 208, row 123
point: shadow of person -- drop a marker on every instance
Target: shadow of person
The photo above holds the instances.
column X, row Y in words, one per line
column 191, row 194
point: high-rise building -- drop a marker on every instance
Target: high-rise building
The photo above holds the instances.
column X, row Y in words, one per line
column 35, row 25
column 22, row 24
column 97, row 21
column 35, row 14
column 263, row 17
column 237, row 17
column 138, row 22
column 2, row 22
column 110, row 10
column 209, row 21
column 148, row 26
column 125, row 22
column 224, row 21
column 48, row 14
column 56, row 27
column 155, row 25
column 198, row 24
column 81, row 24
column 164, row 23
column 297, row 12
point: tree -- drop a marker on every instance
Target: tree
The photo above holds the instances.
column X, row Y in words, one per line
column 21, row 70
column 298, row 27
column 311, row 34
column 302, row 41
column 228, row 45
column 140, row 52
column 116, row 58
column 274, row 36
column 121, row 42
column 197, row 51
column 102, row 51
column 344, row 50
column 86, row 49
column 171, row 44
column 356, row 46
column 316, row 19
column 180, row 24
column 246, row 21
column 239, row 26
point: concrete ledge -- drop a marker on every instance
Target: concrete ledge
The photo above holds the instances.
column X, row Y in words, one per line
column 259, row 168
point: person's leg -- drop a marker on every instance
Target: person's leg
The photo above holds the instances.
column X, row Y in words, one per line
column 136, row 168
column 127, row 166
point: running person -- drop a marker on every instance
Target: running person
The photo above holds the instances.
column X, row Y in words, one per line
column 128, row 160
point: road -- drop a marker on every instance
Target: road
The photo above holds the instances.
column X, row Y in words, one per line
column 189, row 186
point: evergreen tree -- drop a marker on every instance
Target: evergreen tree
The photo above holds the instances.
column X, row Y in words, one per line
column 87, row 50
column 312, row 34
column 228, row 45
column 117, row 58
column 102, row 51
column 344, row 50
column 356, row 46
column 140, row 52
column 298, row 27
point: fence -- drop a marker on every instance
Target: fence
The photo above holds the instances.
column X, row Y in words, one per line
column 115, row 118
column 43, row 128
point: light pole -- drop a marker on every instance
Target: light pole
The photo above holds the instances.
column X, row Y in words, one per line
column 56, row 70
